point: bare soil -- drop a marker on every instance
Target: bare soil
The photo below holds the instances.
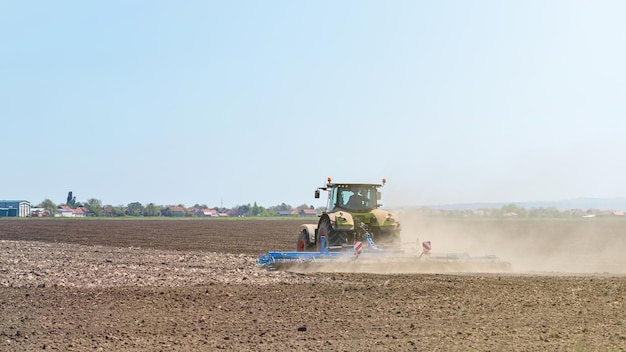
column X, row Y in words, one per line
column 181, row 285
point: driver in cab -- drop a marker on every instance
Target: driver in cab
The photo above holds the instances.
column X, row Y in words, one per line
column 357, row 200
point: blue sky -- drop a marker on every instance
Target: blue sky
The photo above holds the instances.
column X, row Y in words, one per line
column 232, row 102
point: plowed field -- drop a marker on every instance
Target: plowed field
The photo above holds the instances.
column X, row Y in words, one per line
column 183, row 285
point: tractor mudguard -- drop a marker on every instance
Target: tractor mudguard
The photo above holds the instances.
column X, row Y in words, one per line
column 385, row 219
column 342, row 220
column 311, row 230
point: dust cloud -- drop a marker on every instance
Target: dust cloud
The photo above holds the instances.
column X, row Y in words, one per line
column 568, row 246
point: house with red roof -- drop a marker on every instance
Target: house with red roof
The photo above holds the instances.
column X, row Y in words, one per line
column 209, row 212
column 174, row 211
column 308, row 212
column 68, row 212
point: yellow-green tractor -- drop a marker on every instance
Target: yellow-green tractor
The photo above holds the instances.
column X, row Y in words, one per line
column 351, row 212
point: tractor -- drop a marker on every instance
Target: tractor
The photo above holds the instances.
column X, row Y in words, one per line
column 358, row 235
column 352, row 211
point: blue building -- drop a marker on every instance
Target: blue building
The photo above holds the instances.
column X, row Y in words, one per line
column 14, row 208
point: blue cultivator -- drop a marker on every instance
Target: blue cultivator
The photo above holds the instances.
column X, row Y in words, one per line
column 367, row 256
column 273, row 260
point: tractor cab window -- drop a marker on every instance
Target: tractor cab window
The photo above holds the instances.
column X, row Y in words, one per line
column 335, row 199
column 359, row 198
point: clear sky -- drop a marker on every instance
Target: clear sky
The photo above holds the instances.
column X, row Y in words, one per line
column 236, row 102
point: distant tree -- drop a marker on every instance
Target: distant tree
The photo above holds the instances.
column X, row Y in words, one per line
column 94, row 206
column 118, row 211
column 49, row 206
column 243, row 210
column 109, row 210
column 239, row 210
column 71, row 199
column 266, row 212
column 281, row 208
column 152, row 210
column 255, row 210
column 508, row 209
column 134, row 209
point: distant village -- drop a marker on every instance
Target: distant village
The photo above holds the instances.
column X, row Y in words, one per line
column 92, row 208
column 23, row 208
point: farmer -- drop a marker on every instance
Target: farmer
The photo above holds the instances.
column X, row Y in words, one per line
column 357, row 200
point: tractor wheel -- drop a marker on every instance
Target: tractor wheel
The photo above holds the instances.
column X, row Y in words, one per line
column 333, row 238
column 303, row 242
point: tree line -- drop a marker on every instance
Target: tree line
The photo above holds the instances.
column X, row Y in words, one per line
column 94, row 207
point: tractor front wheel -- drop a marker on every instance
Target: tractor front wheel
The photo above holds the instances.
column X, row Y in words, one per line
column 303, row 242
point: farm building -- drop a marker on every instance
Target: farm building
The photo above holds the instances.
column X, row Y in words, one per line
column 69, row 212
column 64, row 211
column 14, row 208
column 39, row 212
column 308, row 212
column 209, row 212
column 174, row 211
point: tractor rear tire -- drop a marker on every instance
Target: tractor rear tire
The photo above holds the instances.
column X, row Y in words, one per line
column 304, row 245
column 333, row 237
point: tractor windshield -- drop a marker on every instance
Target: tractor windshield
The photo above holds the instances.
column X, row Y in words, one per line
column 354, row 197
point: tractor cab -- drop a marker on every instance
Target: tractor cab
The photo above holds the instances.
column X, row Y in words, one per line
column 358, row 198
column 355, row 197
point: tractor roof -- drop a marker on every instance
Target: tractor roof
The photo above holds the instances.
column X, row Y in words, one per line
column 330, row 184
column 351, row 185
